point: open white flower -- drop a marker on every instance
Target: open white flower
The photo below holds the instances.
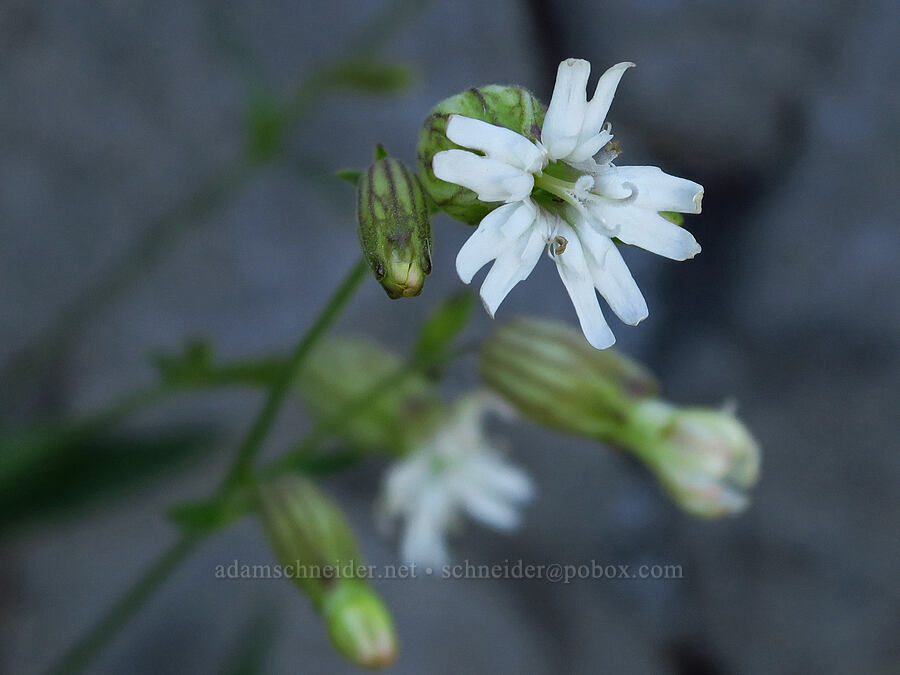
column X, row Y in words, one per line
column 456, row 471
column 565, row 194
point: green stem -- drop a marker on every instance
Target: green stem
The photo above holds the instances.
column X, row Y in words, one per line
column 158, row 238
column 36, row 357
column 87, row 647
column 83, row 651
column 252, row 443
column 304, row 449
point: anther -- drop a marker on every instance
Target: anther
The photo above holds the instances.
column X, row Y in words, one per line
column 561, row 243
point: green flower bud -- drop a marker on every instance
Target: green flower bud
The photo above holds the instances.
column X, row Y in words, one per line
column 308, row 533
column 359, row 625
column 511, row 107
column 550, row 373
column 316, row 546
column 706, row 459
column 341, row 371
column 394, row 227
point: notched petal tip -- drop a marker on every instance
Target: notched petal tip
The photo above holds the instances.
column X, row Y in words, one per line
column 572, row 61
column 698, row 198
column 637, row 318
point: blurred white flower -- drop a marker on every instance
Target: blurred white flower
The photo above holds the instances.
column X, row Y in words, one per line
column 456, row 471
column 565, row 194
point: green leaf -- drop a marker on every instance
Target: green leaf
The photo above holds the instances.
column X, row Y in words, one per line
column 194, row 363
column 442, row 327
column 352, row 176
column 57, row 471
column 372, row 77
column 267, row 125
column 673, row 217
column 380, row 152
column 195, row 368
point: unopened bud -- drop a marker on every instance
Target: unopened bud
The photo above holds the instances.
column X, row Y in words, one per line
column 549, row 373
column 359, row 624
column 511, row 107
column 344, row 371
column 308, row 533
column 706, row 459
column 394, row 227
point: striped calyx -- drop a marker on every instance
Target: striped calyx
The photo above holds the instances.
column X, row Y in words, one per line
column 551, row 375
column 317, row 550
column 308, row 533
column 394, row 227
column 512, row 107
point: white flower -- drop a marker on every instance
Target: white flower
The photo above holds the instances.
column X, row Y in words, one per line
column 456, row 471
column 565, row 194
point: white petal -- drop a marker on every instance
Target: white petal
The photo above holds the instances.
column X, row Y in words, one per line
column 496, row 230
column 492, row 180
column 402, row 484
column 565, row 114
column 576, row 277
column 656, row 190
column 512, row 267
column 487, row 508
column 503, row 478
column 423, row 536
column 598, row 108
column 611, row 276
column 496, row 142
column 588, row 147
column 650, row 231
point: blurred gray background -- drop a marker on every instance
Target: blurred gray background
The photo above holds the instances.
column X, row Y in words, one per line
column 787, row 112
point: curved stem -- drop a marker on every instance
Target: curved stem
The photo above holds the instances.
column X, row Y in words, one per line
column 252, row 443
column 83, row 651
column 80, row 654
column 166, row 230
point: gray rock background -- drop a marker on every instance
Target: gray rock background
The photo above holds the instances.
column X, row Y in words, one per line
column 789, row 115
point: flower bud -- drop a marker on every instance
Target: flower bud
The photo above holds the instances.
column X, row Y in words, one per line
column 550, row 373
column 318, row 551
column 511, row 107
column 308, row 533
column 706, row 459
column 394, row 227
column 342, row 371
column 359, row 625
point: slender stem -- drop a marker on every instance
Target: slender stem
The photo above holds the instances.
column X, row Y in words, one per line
column 249, row 448
column 87, row 647
column 83, row 651
column 162, row 233
column 303, row 450
column 157, row 239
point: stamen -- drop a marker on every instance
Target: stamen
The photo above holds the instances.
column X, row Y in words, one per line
column 583, row 186
column 561, row 243
column 634, row 193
